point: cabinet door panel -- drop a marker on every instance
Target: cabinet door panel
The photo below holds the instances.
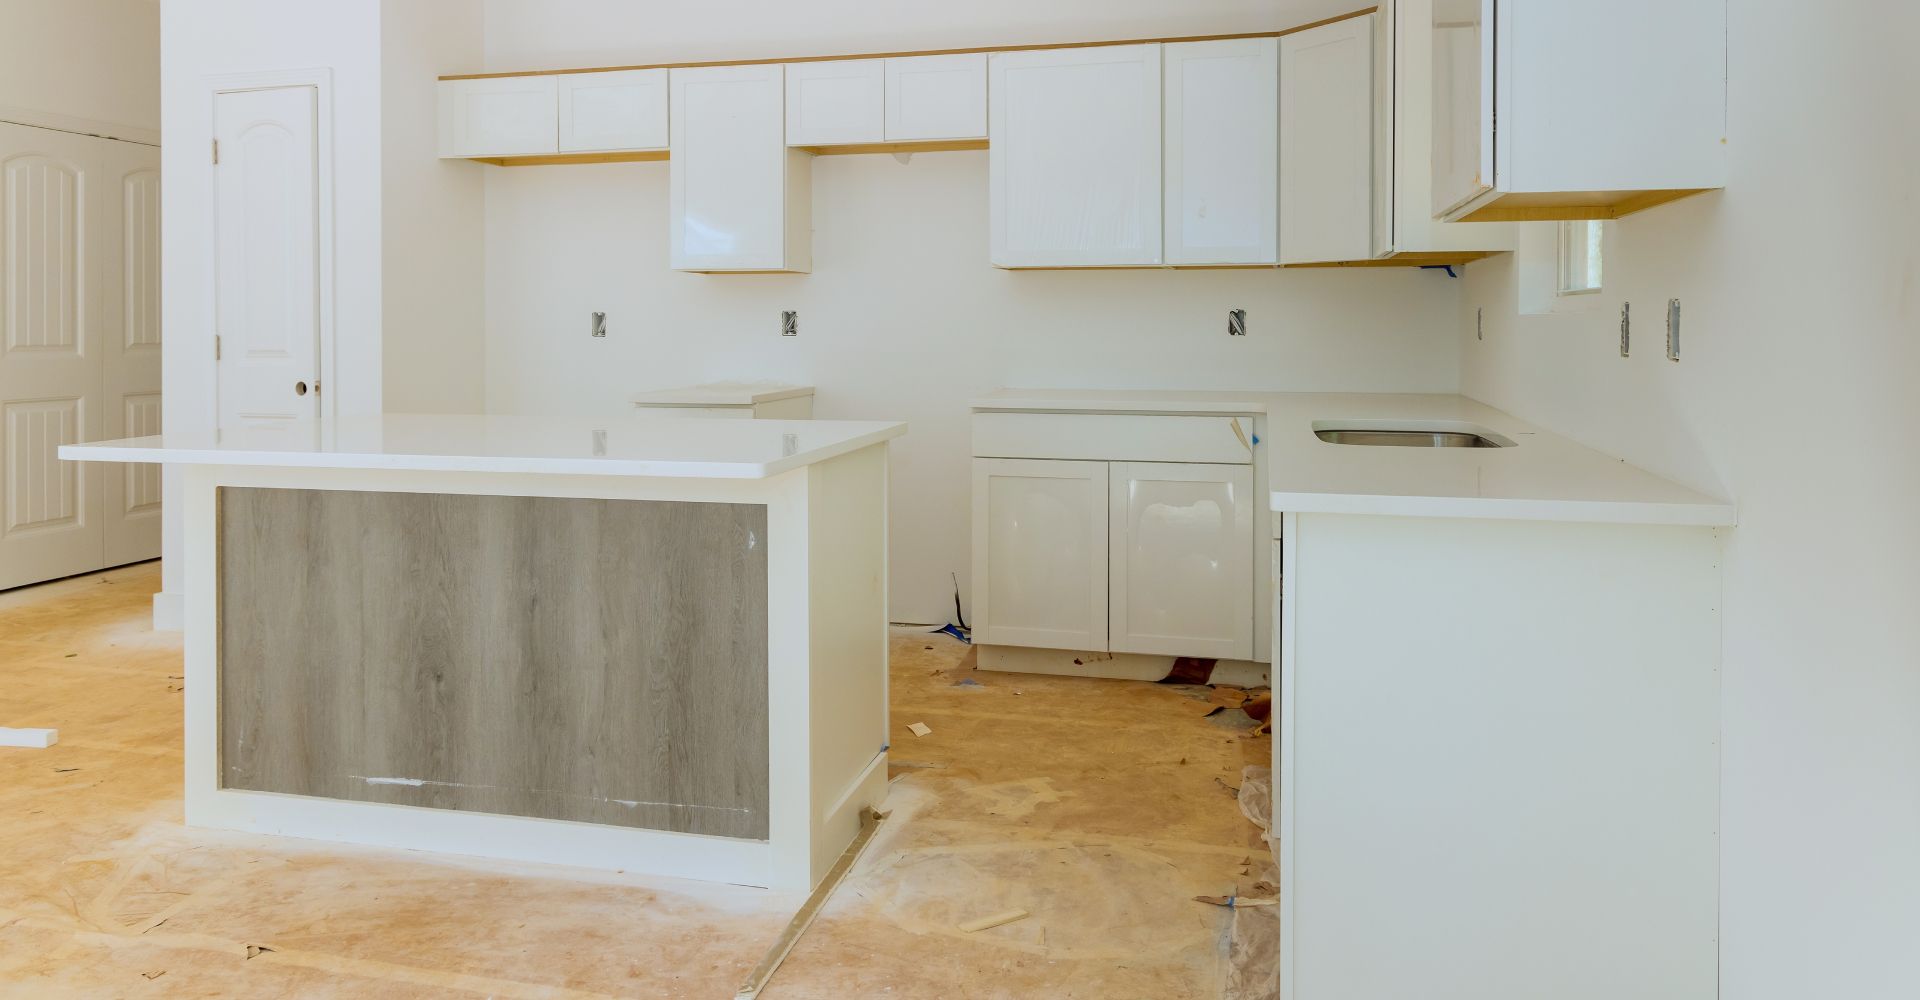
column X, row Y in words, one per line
column 1040, row 553
column 499, row 116
column 1326, row 143
column 738, row 198
column 836, row 103
column 1221, row 151
column 937, row 97
column 1182, row 559
column 1462, row 102
column 621, row 110
column 1074, row 161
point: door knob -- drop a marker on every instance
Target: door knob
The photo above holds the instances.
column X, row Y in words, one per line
column 299, row 388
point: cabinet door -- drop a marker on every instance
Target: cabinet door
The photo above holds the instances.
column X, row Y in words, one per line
column 1326, row 142
column 499, row 116
column 1074, row 158
column 937, row 97
column 1222, row 151
column 738, row 197
column 1462, row 102
column 621, row 110
column 836, row 103
column 1182, row 562
column 1040, row 553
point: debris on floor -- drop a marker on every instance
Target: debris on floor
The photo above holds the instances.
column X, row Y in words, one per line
column 1189, row 670
column 919, row 729
column 1235, row 902
column 995, row 920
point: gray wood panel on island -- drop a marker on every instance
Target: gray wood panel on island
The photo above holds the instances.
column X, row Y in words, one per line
column 602, row 661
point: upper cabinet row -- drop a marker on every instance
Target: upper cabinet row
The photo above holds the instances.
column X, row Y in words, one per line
column 1366, row 139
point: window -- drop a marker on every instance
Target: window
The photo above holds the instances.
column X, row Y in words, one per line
column 1579, row 258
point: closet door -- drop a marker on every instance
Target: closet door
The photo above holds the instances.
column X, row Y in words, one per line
column 50, row 352
column 130, row 345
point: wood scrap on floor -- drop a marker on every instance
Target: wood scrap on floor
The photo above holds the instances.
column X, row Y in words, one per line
column 919, row 729
column 783, row 945
column 983, row 923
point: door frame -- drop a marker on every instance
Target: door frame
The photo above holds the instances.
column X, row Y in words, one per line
column 321, row 80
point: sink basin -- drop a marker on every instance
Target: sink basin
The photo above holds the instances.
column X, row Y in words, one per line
column 1404, row 433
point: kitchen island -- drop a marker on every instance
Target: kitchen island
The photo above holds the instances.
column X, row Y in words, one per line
column 647, row 645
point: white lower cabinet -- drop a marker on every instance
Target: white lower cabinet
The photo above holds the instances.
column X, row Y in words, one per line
column 1040, row 553
column 1181, row 562
column 1117, row 532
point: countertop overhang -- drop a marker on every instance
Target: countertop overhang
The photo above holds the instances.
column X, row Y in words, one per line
column 626, row 445
column 1543, row 477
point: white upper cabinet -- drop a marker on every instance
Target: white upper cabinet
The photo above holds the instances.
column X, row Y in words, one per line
column 1221, row 151
column 1409, row 106
column 739, row 199
column 836, row 103
column 1327, row 169
column 1603, row 108
column 937, row 97
column 1074, row 157
column 499, row 116
column 614, row 111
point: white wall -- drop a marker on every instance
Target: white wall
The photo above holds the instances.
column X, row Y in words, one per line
column 433, row 344
column 1796, row 397
column 91, row 60
column 903, row 318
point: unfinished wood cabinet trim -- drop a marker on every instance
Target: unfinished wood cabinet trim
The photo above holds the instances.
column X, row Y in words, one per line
column 920, row 52
column 1562, row 206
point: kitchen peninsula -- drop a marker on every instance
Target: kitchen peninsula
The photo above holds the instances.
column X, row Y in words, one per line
column 599, row 642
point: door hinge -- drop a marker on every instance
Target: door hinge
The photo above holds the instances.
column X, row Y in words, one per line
column 216, row 347
column 216, row 152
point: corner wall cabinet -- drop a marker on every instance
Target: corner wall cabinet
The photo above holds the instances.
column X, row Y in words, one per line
column 1582, row 134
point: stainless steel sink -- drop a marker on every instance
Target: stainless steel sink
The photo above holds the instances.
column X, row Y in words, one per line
column 1406, row 438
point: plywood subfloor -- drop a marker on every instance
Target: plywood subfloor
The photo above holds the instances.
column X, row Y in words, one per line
column 1098, row 806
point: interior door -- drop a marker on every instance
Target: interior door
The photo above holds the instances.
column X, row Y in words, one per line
column 1182, row 560
column 129, row 197
column 50, row 344
column 1040, row 553
column 266, row 272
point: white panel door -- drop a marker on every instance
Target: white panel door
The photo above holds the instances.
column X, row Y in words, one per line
column 1222, row 151
column 1074, row 157
column 1040, row 553
column 937, row 97
column 739, row 199
column 130, row 324
column 1182, row 560
column 620, row 110
column 1462, row 102
column 266, row 278
column 836, row 103
column 499, row 116
column 50, row 353
column 1326, row 142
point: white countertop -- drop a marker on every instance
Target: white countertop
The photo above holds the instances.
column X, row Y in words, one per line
column 1542, row 477
column 721, row 394
column 617, row 446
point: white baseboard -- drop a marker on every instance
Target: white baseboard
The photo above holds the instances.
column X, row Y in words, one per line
column 169, row 612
